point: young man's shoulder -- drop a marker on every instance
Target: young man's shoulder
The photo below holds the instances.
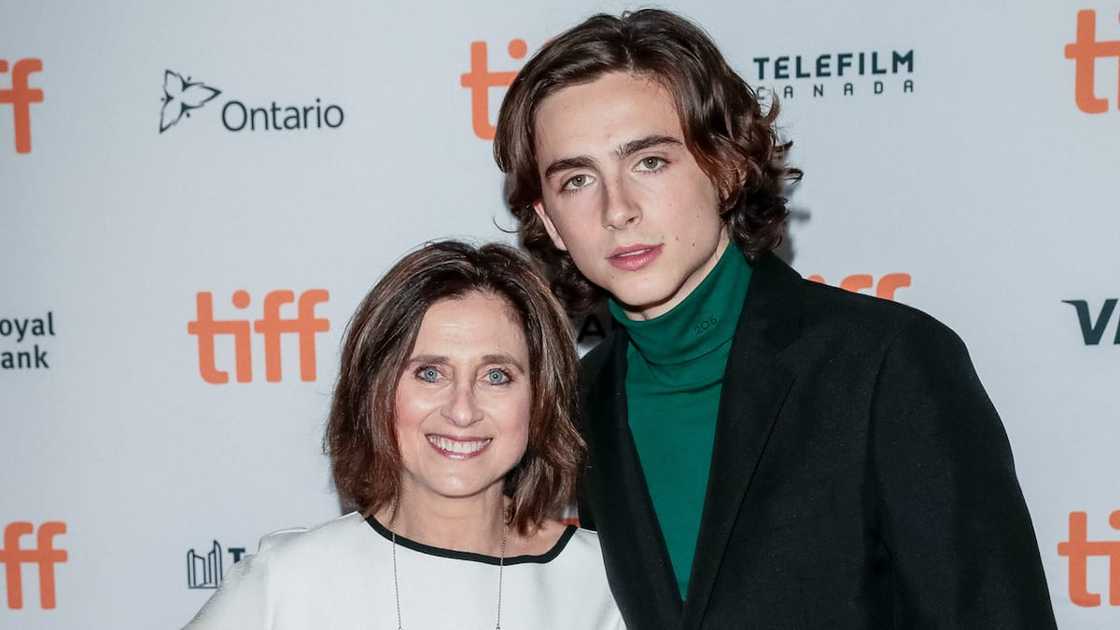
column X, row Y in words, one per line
column 863, row 320
column 827, row 314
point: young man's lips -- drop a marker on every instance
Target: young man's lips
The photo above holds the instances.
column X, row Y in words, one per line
column 634, row 257
column 456, row 448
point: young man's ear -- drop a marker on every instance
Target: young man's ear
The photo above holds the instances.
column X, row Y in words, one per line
column 538, row 207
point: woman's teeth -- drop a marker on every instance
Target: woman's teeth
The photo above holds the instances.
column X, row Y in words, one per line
column 459, row 447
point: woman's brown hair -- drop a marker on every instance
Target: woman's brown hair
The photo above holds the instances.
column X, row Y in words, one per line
column 361, row 437
column 733, row 141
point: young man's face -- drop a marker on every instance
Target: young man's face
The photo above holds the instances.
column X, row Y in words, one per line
column 622, row 193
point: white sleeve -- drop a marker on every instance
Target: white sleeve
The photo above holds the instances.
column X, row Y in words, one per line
column 242, row 602
column 245, row 600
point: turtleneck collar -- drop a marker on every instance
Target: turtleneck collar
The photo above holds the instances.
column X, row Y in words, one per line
column 701, row 324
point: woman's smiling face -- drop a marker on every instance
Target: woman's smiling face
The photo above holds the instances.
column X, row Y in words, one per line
column 464, row 399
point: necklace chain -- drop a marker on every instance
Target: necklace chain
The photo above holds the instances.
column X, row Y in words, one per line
column 501, row 566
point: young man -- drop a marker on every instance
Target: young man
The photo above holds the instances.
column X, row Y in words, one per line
column 765, row 452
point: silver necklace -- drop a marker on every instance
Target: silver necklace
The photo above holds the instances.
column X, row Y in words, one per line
column 501, row 565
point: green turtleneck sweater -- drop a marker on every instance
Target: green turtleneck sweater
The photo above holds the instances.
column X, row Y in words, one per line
column 675, row 372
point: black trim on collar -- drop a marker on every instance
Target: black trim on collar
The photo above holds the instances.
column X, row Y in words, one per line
column 544, row 558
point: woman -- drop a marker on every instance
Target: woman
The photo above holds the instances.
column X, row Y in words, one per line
column 451, row 430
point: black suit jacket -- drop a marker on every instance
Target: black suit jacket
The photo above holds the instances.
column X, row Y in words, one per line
column 860, row 478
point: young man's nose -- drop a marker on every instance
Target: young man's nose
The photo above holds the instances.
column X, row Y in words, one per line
column 620, row 209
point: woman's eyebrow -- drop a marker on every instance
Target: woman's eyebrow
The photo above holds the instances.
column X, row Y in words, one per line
column 505, row 359
column 494, row 357
column 429, row 358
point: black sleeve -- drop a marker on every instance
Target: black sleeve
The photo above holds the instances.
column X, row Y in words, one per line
column 583, row 506
column 950, row 511
column 586, row 519
column 590, row 369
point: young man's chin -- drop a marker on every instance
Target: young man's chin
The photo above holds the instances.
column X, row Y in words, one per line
column 639, row 302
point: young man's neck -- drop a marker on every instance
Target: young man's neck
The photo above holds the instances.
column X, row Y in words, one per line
column 650, row 311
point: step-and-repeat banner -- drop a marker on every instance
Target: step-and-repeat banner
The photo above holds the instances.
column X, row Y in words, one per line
column 194, row 197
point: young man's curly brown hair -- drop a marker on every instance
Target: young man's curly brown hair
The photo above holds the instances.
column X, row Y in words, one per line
column 724, row 126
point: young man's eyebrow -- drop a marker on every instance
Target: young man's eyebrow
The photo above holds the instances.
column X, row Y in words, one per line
column 567, row 164
column 632, row 147
column 624, row 151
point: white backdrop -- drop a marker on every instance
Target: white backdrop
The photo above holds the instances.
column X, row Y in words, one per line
column 985, row 182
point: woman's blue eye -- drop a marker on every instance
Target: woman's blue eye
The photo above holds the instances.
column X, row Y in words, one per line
column 652, row 163
column 497, row 377
column 428, row 374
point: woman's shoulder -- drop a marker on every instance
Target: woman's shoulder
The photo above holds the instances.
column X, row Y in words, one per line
column 581, row 571
column 294, row 566
column 585, row 543
column 317, row 545
column 579, row 549
column 558, row 545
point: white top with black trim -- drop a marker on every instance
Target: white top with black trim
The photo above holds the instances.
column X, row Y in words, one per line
column 340, row 576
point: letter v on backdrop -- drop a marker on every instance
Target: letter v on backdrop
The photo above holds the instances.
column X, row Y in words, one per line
column 1093, row 326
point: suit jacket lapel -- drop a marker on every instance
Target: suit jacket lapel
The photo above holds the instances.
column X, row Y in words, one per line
column 754, row 387
column 622, row 508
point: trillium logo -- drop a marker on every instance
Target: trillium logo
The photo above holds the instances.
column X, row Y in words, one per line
column 180, row 96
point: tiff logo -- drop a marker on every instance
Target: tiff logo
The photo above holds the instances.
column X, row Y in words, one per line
column 1079, row 549
column 20, row 96
column 271, row 326
column 44, row 554
column 207, row 571
column 480, row 79
column 885, row 288
column 1084, row 52
column 1091, row 331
